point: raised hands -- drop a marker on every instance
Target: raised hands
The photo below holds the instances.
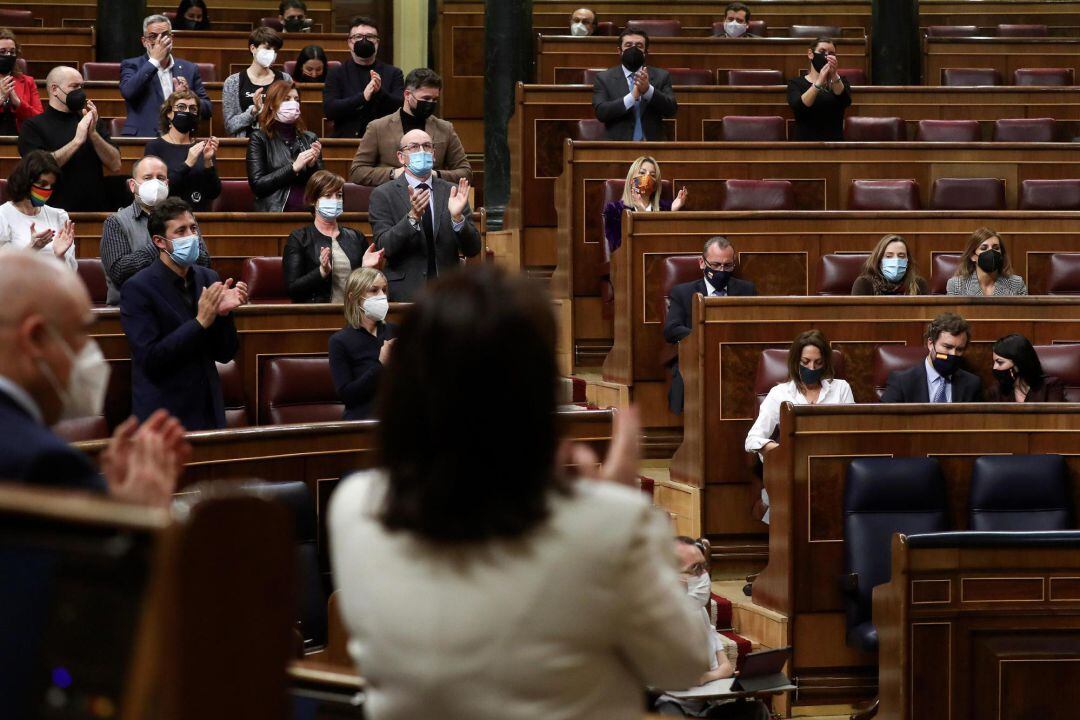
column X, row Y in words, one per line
column 624, row 454
column 257, row 101
column 180, row 84
column 385, row 350
column 82, row 130
column 459, row 198
column 143, row 464
column 641, row 83
column 307, row 157
column 232, row 297
column 373, row 86
column 373, row 258
column 194, row 152
column 7, row 88
column 680, row 199
column 418, row 200
column 39, row 240
column 326, row 262
column 160, row 49
column 63, row 239
column 210, row 150
column 209, row 301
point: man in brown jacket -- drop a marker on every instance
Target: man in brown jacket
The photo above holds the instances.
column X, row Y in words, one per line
column 376, row 160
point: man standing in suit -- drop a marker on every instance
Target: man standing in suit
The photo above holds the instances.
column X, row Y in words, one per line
column 939, row 378
column 421, row 221
column 177, row 318
column 717, row 262
column 376, row 158
column 50, row 369
column 630, row 99
column 146, row 81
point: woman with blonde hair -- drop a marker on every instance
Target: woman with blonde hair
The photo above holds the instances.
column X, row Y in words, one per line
column 890, row 270
column 360, row 349
column 985, row 269
column 640, row 194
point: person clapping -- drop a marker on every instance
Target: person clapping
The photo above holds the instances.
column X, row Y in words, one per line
column 192, row 174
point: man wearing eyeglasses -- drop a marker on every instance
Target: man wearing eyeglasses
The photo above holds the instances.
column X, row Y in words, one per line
column 718, row 262
column 363, row 88
column 146, row 81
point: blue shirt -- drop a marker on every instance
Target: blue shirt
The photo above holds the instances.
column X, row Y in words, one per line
column 933, row 377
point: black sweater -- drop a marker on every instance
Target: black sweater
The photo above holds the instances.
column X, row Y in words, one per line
column 355, row 366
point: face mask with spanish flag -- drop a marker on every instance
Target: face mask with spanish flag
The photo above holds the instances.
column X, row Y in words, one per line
column 40, row 195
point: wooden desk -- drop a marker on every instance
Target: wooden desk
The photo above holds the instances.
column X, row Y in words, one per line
column 1000, row 620
column 805, row 477
column 246, row 13
column 1002, row 54
column 45, row 48
column 1060, row 15
column 229, row 50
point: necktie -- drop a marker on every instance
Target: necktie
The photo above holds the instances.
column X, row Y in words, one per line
column 428, row 223
column 639, row 132
column 939, row 390
column 717, row 293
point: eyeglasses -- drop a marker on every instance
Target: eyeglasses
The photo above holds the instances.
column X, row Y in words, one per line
column 185, row 108
column 417, row 147
column 372, row 38
column 158, row 36
column 8, row 53
column 720, row 266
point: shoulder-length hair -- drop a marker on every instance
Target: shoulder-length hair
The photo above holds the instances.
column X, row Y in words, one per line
column 1019, row 349
column 966, row 268
column 627, row 198
column 321, row 184
column 6, row 34
column 276, row 94
column 909, row 284
column 27, row 172
column 356, row 286
column 816, row 339
column 167, row 106
column 459, row 470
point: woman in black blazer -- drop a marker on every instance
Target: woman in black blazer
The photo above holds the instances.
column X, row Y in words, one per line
column 319, row 257
column 360, row 349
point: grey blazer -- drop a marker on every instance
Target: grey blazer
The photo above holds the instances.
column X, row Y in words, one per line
column 1005, row 285
column 406, row 248
column 609, row 89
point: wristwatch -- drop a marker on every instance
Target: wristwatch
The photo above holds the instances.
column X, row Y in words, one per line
column 821, row 88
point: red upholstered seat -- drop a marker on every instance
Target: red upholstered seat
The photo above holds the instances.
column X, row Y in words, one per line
column 755, row 77
column 1008, row 30
column 236, row 196
column 273, row 22
column 814, row 31
column 883, row 195
column 754, row 27
column 960, row 77
column 758, row 195
column 854, row 76
column 606, row 28
column 968, row 194
column 891, row 358
column 16, row 18
column 1025, row 130
column 657, row 28
column 952, row 31
column 948, row 131
column 772, row 369
column 265, row 278
column 3, row 190
column 290, row 67
column 1050, row 195
column 676, row 270
column 116, row 126
column 613, row 191
column 356, row 197
column 232, row 391
column 836, row 272
column 208, row 72
column 93, row 427
column 590, row 130
column 101, row 71
column 299, row 390
column 1043, row 76
column 692, row 76
column 1062, row 361
column 748, row 127
column 874, row 129
column 942, row 267
column 92, row 273
column 1063, row 275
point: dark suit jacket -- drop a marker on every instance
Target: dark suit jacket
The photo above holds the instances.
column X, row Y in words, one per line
column 141, row 89
column 609, row 89
column 300, row 261
column 1052, row 390
column 172, row 356
column 355, row 367
column 406, row 248
column 33, row 454
column 909, row 386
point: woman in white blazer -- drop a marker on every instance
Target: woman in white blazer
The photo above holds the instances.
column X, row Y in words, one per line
column 477, row 579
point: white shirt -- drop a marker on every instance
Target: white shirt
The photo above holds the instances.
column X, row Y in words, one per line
column 833, row 392
column 164, row 75
column 628, row 99
column 15, row 229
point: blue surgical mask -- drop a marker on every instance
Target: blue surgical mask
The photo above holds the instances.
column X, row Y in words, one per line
column 420, row 163
column 329, row 208
column 893, row 269
column 185, row 250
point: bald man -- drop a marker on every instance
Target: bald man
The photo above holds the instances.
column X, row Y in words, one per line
column 50, row 369
column 582, row 22
column 420, row 221
column 71, row 130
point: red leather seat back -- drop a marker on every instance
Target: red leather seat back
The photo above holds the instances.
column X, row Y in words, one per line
column 960, row 77
column 755, row 77
column 290, row 67
column 657, row 28
column 92, row 273
column 208, row 72
column 355, row 198
column 232, row 391
column 273, row 22
column 948, row 131
column 772, row 369
column 754, row 27
column 93, row 427
column 236, row 196
column 692, row 76
column 1008, row 30
column 590, row 130
column 1025, row 130
column 298, row 389
column 1063, row 275
column 116, row 126
column 758, row 195
column 968, row 194
column 3, row 190
column 749, row 127
column 606, row 28
column 942, row 267
column 101, row 71
column 883, row 195
column 874, row 129
column 952, row 31
column 890, row 358
column 16, row 18
column 676, row 270
column 814, row 31
column 1046, row 77
column 1050, row 195
column 836, row 272
column 854, row 76
column 265, row 278
column 1062, row 361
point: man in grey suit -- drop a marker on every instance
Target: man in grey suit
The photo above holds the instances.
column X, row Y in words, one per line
column 631, row 99
column 421, row 221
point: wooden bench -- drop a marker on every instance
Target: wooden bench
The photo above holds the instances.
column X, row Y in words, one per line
column 234, row 14
column 1002, row 54
column 44, row 48
column 1062, row 17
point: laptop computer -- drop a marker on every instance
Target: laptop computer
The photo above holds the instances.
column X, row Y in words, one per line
column 763, row 670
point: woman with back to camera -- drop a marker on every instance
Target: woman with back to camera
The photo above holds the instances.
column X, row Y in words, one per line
column 557, row 599
column 1019, row 374
column 820, row 98
column 985, row 269
column 192, row 172
column 641, row 193
column 890, row 270
column 282, row 154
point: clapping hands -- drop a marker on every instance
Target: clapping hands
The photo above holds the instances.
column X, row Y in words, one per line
column 142, row 464
column 459, row 199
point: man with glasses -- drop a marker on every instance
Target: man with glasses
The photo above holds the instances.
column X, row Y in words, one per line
column 376, row 160
column 146, row 81
column 363, row 88
column 717, row 263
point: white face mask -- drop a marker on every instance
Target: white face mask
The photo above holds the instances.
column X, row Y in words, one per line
column 377, row 307
column 265, row 57
column 84, row 395
column 579, row 29
column 329, row 208
column 153, row 191
column 734, row 28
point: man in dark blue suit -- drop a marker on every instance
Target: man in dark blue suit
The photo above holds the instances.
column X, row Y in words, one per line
column 177, row 318
column 148, row 80
column 50, row 369
column 717, row 263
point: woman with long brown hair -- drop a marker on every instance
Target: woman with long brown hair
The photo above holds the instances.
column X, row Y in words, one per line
column 890, row 270
column 985, row 268
column 282, row 153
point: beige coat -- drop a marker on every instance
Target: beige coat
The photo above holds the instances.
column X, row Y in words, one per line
column 376, row 157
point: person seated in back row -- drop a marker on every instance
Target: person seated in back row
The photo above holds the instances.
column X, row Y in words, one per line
column 293, row 16
column 1019, row 374
column 243, row 92
column 193, row 174
column 363, row 88
column 890, row 270
column 631, row 99
column 939, row 377
column 737, row 21
column 312, row 65
column 641, row 193
column 985, row 269
column 359, row 351
column 582, row 22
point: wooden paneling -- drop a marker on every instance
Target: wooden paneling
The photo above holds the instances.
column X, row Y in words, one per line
column 234, row 13
column 1002, row 54
column 1062, row 16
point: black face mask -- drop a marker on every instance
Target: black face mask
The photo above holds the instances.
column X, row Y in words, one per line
column 810, row 377
column 304, row 77
column 633, row 58
column 186, row 24
column 295, row 24
column 185, row 122
column 991, row 261
column 1005, row 380
column 819, row 61
column 75, row 100
column 364, row 49
column 7, row 64
column 946, row 365
column 717, row 278
column 425, row 109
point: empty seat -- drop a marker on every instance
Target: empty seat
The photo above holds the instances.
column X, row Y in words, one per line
column 656, row 28
column 299, row 389
column 1019, row 493
column 232, row 392
column 355, row 198
column 836, row 272
column 1025, row 130
column 948, row 131
column 1009, row 30
column 883, row 195
column 606, row 28
column 101, row 71
column 814, row 31
column 952, row 31
column 675, row 270
column 942, row 267
column 16, row 18
column 590, row 130
column 92, row 273
column 1063, row 362
column 290, row 67
column 874, row 129
column 116, row 126
column 691, row 76
column 265, row 278
column 968, row 194
column 758, row 195
column 772, row 369
column 1063, row 274
column 748, row 127
column 1047, row 77
column 854, row 76
column 1050, row 195
column 755, row 77
column 236, row 196
column 960, row 77
column 754, row 27
column 207, row 72
column 893, row 358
